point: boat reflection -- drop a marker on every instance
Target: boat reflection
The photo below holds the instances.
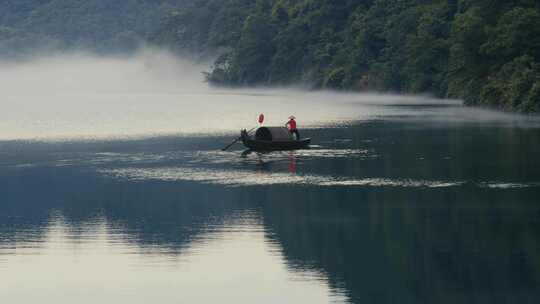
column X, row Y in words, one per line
column 292, row 162
column 271, row 161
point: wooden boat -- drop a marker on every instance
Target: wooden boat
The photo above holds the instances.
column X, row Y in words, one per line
column 273, row 139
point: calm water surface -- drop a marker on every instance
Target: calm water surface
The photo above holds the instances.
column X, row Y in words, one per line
column 400, row 200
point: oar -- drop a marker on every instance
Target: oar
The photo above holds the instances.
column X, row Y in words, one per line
column 236, row 140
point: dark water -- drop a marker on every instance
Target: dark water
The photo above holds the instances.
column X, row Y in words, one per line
column 397, row 209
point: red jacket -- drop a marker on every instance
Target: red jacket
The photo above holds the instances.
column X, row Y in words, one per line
column 292, row 124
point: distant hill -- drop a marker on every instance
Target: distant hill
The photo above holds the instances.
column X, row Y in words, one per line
column 104, row 26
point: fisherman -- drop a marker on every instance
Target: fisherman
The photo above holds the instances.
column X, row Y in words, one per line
column 291, row 124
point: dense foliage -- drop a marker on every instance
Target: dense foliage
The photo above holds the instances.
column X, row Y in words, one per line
column 97, row 25
column 484, row 51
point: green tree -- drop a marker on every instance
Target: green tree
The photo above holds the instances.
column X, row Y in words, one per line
column 483, row 51
column 255, row 50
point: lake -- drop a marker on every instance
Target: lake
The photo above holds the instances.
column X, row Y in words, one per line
column 114, row 189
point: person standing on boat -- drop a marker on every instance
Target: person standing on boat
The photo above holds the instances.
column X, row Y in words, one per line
column 291, row 124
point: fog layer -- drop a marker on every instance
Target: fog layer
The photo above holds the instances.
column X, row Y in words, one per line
column 154, row 93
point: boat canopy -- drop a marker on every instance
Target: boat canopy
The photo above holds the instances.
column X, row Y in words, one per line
column 273, row 134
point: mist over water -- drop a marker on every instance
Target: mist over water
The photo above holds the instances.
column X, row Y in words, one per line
column 153, row 93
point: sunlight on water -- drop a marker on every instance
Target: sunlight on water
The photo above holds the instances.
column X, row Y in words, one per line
column 217, row 157
column 249, row 178
column 230, row 169
column 237, row 178
column 502, row 185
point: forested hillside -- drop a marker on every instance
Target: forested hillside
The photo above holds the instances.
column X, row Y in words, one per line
column 28, row 26
column 484, row 51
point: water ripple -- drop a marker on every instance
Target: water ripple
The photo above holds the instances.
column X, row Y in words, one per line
column 235, row 178
column 508, row 185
